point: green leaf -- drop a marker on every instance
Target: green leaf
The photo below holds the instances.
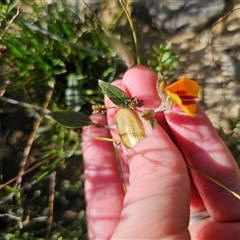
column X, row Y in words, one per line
column 165, row 56
column 162, row 60
column 11, row 189
column 71, row 119
column 157, row 49
column 153, row 123
column 59, row 71
column 58, row 62
column 115, row 94
column 168, row 46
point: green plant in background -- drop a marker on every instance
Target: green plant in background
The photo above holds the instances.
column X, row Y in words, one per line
column 51, row 59
column 58, row 47
column 54, row 55
column 162, row 60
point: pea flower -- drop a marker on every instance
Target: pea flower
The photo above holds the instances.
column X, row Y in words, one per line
column 183, row 92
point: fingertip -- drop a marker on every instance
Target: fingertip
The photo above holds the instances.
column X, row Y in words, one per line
column 140, row 82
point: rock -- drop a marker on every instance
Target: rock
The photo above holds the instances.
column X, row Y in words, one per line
column 175, row 15
column 230, row 67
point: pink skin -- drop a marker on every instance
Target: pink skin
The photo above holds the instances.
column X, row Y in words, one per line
column 161, row 191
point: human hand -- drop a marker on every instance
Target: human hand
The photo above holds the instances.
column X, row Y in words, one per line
column 161, row 191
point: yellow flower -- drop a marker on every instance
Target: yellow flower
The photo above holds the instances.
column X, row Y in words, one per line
column 183, row 92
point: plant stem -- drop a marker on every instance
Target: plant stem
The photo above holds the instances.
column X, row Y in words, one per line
column 133, row 30
column 215, row 181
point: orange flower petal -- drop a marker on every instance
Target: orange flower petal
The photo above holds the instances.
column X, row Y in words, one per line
column 183, row 93
column 184, row 87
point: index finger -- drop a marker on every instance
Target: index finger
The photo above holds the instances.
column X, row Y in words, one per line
column 158, row 174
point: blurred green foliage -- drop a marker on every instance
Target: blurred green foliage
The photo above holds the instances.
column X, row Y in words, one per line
column 52, row 45
column 162, row 60
column 53, row 56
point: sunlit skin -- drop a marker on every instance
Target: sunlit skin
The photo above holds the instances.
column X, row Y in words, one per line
column 160, row 192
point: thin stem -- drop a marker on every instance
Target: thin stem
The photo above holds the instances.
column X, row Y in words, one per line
column 120, row 47
column 120, row 170
column 51, row 202
column 27, row 105
column 133, row 30
column 10, row 23
column 50, row 158
column 31, row 138
column 102, row 138
column 207, row 176
column 215, row 181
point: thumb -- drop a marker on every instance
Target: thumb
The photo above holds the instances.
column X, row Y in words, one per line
column 159, row 191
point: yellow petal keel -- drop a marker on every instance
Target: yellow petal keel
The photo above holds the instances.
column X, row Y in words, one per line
column 190, row 109
column 130, row 128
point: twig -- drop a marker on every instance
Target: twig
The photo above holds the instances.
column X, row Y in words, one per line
column 51, row 202
column 31, row 139
column 34, row 220
column 135, row 39
column 120, row 170
column 12, row 217
column 23, row 104
column 214, row 25
column 10, row 23
column 120, row 47
column 29, row 170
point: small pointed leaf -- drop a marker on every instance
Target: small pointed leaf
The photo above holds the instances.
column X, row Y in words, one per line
column 70, row 118
column 165, row 56
column 168, row 46
column 148, row 114
column 153, row 123
column 161, row 84
column 115, row 94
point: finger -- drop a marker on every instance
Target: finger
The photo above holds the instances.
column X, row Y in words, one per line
column 158, row 175
column 103, row 186
column 158, row 194
column 205, row 151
